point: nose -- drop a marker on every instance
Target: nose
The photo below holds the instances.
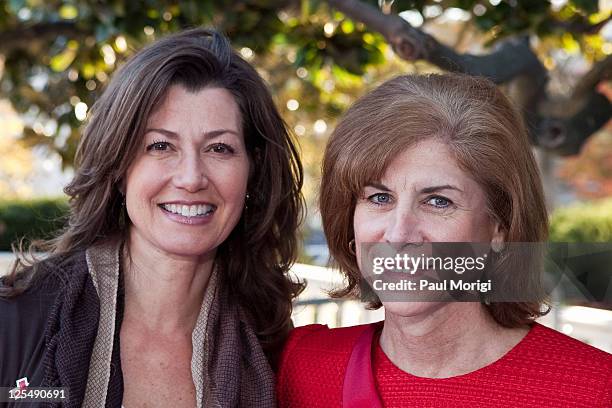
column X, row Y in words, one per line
column 403, row 227
column 191, row 173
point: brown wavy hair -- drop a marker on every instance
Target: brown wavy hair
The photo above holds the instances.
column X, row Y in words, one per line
column 258, row 253
column 482, row 129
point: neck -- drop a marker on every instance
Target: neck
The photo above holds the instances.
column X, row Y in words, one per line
column 455, row 339
column 164, row 293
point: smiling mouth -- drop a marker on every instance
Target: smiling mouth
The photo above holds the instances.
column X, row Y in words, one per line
column 200, row 210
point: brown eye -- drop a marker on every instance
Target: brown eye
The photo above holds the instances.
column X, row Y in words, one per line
column 221, row 148
column 158, row 146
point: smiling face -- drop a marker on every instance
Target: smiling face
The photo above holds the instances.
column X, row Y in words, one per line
column 185, row 190
column 423, row 197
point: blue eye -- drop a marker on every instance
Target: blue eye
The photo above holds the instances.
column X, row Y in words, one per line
column 380, row 198
column 158, row 146
column 439, row 202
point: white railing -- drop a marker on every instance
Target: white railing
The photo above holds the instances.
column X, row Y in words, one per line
column 315, row 306
column 6, row 260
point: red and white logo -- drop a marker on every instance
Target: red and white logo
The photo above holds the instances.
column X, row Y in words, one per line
column 22, row 383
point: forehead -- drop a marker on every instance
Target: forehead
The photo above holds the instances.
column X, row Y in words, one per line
column 427, row 163
column 207, row 108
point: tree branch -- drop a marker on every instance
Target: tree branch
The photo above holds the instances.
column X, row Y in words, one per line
column 565, row 136
column 601, row 71
column 514, row 64
column 564, row 125
column 564, row 107
column 511, row 59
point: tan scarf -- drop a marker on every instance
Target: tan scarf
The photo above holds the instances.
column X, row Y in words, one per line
column 228, row 366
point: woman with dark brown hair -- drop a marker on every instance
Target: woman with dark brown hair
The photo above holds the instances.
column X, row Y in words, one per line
column 169, row 285
column 420, row 161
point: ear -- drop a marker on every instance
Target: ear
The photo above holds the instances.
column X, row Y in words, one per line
column 498, row 237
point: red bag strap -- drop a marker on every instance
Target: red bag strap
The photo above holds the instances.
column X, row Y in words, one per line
column 359, row 389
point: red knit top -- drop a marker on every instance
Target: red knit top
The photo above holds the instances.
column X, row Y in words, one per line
column 546, row 369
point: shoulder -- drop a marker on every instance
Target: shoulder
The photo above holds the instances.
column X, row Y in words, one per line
column 566, row 350
column 42, row 281
column 25, row 317
column 320, row 342
column 568, row 366
column 52, row 271
column 313, row 364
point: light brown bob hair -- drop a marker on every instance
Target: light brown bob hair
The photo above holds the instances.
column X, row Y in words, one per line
column 258, row 253
column 480, row 126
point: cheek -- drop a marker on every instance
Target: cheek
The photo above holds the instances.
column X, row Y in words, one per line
column 443, row 229
column 143, row 180
column 482, row 228
column 359, row 219
column 232, row 186
column 369, row 226
column 469, row 228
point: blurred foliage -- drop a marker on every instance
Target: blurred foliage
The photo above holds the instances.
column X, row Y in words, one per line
column 32, row 219
column 511, row 16
column 16, row 164
column 53, row 77
column 591, row 222
column 15, row 168
column 590, row 172
column 586, row 223
column 61, row 53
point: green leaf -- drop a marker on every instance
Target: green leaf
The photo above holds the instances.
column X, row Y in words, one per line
column 16, row 5
column 102, row 33
column 588, row 6
column 61, row 61
column 68, row 12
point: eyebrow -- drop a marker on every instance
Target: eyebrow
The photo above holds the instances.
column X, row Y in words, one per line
column 378, row 186
column 434, row 189
column 208, row 135
column 426, row 190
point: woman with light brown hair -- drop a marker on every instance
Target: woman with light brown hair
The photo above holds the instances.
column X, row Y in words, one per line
column 169, row 285
column 418, row 162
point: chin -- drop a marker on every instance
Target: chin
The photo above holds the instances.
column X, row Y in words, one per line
column 186, row 249
column 412, row 309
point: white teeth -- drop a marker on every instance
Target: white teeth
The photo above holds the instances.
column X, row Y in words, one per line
column 188, row 210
